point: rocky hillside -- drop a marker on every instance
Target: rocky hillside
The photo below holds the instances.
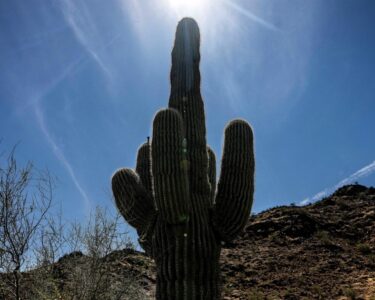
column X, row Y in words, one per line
column 321, row 251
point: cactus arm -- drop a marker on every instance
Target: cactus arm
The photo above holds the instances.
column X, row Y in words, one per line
column 236, row 183
column 186, row 98
column 169, row 167
column 133, row 201
column 212, row 173
column 143, row 167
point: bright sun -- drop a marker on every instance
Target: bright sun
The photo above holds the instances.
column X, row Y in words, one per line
column 187, row 6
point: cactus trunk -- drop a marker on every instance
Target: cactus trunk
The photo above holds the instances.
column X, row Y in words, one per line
column 171, row 199
column 187, row 258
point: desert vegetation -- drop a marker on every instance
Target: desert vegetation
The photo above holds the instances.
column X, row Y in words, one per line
column 44, row 257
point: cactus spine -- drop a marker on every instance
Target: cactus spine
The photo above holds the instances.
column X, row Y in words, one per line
column 172, row 199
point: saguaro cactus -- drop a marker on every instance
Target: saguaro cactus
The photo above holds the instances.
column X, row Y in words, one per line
column 171, row 198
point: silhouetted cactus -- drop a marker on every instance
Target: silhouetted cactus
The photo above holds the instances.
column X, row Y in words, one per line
column 171, row 199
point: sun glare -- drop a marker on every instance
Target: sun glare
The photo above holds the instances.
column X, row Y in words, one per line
column 187, row 6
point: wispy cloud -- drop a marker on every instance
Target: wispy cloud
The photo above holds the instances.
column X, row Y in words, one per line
column 35, row 104
column 45, row 90
column 76, row 21
column 365, row 171
column 247, row 13
column 60, row 154
column 83, row 25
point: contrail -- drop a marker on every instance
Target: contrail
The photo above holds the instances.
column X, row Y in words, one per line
column 250, row 15
column 84, row 28
column 365, row 171
column 60, row 155
column 33, row 101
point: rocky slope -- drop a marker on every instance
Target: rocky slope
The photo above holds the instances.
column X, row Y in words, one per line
column 321, row 251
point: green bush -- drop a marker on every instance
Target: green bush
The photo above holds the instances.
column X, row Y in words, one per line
column 364, row 248
column 324, row 238
column 350, row 293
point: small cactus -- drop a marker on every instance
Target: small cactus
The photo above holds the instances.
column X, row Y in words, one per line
column 171, row 199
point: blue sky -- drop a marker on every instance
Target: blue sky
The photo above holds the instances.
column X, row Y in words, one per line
column 80, row 82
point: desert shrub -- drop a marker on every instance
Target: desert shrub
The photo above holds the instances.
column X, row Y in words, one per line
column 33, row 237
column 364, row 248
column 256, row 295
column 85, row 273
column 25, row 201
column 350, row 293
column 317, row 291
column 323, row 237
column 371, row 258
